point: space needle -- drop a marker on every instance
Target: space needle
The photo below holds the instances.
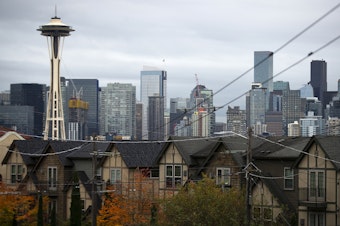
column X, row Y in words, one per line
column 55, row 32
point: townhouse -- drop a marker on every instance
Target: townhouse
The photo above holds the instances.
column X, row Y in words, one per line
column 294, row 180
column 274, row 189
column 318, row 169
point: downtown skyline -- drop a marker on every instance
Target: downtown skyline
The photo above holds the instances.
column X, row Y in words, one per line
column 113, row 41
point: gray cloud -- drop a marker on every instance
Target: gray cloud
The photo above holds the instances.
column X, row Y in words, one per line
column 214, row 39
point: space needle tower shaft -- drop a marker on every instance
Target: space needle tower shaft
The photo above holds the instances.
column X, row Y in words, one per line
column 55, row 31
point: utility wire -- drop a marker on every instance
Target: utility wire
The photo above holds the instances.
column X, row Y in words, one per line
column 263, row 60
column 281, row 72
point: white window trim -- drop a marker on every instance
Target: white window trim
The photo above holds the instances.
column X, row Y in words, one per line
column 114, row 171
column 18, row 175
column 317, row 184
column 225, row 177
column 291, row 177
column 53, row 180
column 174, row 178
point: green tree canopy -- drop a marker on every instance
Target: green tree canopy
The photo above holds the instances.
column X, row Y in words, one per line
column 204, row 203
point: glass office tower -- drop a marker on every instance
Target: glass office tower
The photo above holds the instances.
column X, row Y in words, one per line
column 153, row 83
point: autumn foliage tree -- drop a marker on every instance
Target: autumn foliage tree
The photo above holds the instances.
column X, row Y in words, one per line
column 17, row 207
column 204, row 203
column 128, row 204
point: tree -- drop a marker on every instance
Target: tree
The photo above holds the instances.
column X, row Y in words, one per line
column 75, row 209
column 16, row 208
column 40, row 220
column 130, row 205
column 53, row 217
column 204, row 203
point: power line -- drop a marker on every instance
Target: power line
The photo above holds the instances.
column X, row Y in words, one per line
column 284, row 70
column 263, row 60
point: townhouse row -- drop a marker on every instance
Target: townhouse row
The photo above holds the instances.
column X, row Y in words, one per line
column 294, row 181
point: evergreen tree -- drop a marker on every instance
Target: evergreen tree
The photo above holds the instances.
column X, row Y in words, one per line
column 40, row 221
column 53, row 217
column 75, row 219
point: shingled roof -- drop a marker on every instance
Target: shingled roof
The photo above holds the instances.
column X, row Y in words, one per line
column 25, row 148
column 86, row 150
column 191, row 148
column 140, row 154
column 280, row 147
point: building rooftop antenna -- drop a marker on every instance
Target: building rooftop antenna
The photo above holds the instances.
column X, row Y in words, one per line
column 55, row 11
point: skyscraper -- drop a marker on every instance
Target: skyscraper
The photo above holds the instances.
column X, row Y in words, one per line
column 263, row 72
column 236, row 120
column 178, row 110
column 156, row 126
column 90, row 87
column 202, row 105
column 256, row 107
column 292, row 107
column 30, row 95
column 318, row 78
column 263, row 69
column 153, row 83
column 118, row 109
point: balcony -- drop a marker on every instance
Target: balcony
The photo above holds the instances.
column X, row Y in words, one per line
column 314, row 198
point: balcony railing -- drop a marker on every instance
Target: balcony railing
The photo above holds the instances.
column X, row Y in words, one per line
column 312, row 197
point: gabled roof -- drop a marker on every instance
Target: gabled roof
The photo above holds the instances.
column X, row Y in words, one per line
column 191, row 148
column 29, row 150
column 329, row 144
column 64, row 148
column 237, row 143
column 140, row 154
column 280, row 147
column 86, row 150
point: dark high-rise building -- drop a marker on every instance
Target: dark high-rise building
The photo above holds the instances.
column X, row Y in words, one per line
column 292, row 107
column 318, row 78
column 90, row 94
column 31, row 94
column 179, row 108
column 139, row 119
column 156, row 118
column 18, row 118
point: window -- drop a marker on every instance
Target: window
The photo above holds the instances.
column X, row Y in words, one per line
column 257, row 213
column 116, row 176
column 317, row 219
column 173, row 176
column 16, row 173
column 288, row 178
column 317, row 185
column 267, row 214
column 223, row 176
column 154, row 173
column 52, row 178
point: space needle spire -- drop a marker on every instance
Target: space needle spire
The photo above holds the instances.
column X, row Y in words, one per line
column 55, row 31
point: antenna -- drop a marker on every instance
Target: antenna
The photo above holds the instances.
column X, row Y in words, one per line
column 55, row 11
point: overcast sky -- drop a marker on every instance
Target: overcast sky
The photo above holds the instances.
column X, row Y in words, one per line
column 216, row 40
